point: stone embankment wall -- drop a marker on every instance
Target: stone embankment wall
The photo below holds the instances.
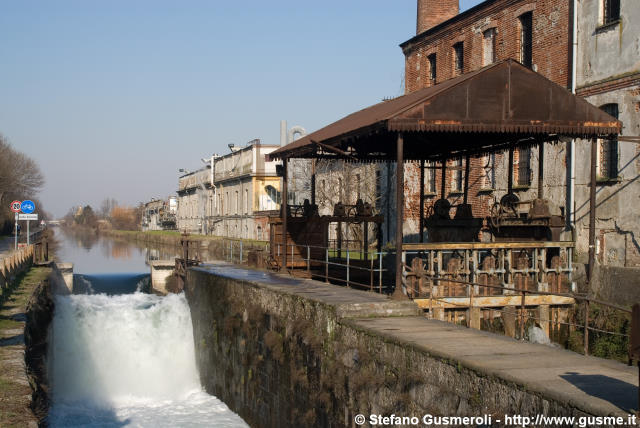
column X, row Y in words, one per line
column 39, row 316
column 279, row 358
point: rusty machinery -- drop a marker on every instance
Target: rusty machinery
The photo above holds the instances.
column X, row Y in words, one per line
column 306, row 227
column 463, row 227
column 514, row 220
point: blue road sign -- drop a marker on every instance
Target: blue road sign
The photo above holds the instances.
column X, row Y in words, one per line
column 27, row 206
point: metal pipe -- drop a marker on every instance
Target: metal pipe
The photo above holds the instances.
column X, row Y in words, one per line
column 443, row 179
column 541, row 171
column 398, row 293
column 466, row 178
column 592, row 210
column 571, row 217
column 295, row 130
column 313, row 181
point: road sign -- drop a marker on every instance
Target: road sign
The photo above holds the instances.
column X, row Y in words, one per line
column 27, row 216
column 15, row 206
column 27, row 206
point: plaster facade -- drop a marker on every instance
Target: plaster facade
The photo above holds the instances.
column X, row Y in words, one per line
column 246, row 189
column 608, row 74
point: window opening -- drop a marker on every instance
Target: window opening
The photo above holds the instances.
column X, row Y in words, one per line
column 526, row 39
column 458, row 64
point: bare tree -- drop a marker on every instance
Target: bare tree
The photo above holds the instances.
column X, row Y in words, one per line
column 107, row 205
column 20, row 176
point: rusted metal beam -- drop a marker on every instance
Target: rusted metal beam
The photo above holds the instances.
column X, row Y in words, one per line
column 592, row 211
column 629, row 139
column 334, row 150
column 313, row 181
column 398, row 293
column 494, row 301
column 485, row 245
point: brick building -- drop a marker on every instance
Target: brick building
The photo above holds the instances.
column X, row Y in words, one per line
column 448, row 43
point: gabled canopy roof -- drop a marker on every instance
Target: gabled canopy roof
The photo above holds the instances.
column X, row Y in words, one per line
column 501, row 105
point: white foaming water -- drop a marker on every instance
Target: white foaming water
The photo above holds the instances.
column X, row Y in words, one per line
column 128, row 360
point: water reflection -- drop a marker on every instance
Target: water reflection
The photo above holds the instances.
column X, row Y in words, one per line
column 93, row 254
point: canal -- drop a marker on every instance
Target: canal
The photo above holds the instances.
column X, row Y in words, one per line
column 119, row 356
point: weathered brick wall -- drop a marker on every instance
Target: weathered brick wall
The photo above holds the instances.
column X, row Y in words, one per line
column 433, row 12
column 551, row 48
column 551, row 41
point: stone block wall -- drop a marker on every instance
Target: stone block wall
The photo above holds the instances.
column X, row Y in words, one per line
column 279, row 359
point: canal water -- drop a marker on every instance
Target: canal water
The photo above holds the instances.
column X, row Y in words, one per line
column 119, row 356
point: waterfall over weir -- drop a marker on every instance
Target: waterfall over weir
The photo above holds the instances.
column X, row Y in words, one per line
column 127, row 360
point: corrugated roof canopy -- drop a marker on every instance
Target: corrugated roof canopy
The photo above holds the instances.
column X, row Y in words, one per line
column 501, row 105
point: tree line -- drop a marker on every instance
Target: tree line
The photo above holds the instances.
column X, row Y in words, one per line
column 111, row 215
column 20, row 179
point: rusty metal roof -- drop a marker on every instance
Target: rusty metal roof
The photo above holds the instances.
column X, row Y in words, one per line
column 489, row 109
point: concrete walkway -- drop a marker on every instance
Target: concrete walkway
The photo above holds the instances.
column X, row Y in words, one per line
column 593, row 385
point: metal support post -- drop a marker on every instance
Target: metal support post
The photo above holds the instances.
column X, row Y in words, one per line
column 285, row 201
column 586, row 327
column 541, row 171
column 398, row 293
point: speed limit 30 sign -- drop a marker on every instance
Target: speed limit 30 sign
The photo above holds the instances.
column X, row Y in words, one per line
column 15, row 206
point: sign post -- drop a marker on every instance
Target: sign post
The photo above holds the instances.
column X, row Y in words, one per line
column 15, row 207
column 27, row 206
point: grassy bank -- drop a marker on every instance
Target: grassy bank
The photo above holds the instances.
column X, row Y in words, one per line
column 15, row 392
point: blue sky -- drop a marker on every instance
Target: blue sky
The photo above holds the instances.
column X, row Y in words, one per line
column 111, row 98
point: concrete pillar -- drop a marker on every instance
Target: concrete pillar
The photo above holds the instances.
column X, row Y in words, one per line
column 475, row 315
column 544, row 316
column 161, row 270
column 438, row 314
column 509, row 320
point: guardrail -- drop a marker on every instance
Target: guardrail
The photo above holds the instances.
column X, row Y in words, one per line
column 326, row 263
column 353, row 268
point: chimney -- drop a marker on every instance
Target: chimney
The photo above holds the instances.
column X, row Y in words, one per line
column 434, row 12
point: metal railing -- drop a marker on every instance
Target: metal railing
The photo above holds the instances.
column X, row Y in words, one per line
column 326, row 263
column 473, row 293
